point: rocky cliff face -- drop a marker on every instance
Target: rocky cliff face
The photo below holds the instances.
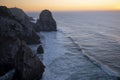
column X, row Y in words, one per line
column 46, row 22
column 5, row 12
column 8, row 49
column 20, row 15
column 28, row 66
column 30, row 35
column 13, row 53
column 18, row 22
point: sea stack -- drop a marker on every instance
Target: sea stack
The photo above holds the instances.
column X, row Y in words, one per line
column 46, row 22
column 40, row 49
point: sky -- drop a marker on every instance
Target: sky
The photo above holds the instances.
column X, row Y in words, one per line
column 63, row 5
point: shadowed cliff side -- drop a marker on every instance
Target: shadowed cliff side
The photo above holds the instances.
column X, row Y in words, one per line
column 15, row 32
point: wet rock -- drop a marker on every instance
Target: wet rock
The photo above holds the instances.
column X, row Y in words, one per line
column 28, row 66
column 8, row 49
column 46, row 22
column 40, row 49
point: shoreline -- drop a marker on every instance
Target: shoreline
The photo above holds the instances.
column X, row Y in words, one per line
column 66, row 52
column 63, row 57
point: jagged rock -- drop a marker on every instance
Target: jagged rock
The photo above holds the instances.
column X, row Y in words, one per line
column 46, row 22
column 8, row 49
column 17, row 26
column 4, row 11
column 19, row 15
column 40, row 49
column 13, row 54
column 25, row 21
column 28, row 66
column 11, row 28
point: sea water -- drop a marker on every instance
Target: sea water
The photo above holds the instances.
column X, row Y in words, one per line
column 95, row 34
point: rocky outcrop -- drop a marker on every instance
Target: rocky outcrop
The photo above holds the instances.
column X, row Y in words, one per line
column 5, row 12
column 8, row 49
column 13, row 28
column 20, row 27
column 28, row 66
column 30, row 35
column 46, row 22
column 13, row 53
column 40, row 49
column 20, row 15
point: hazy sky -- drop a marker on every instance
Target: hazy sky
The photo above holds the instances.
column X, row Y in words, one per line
column 63, row 5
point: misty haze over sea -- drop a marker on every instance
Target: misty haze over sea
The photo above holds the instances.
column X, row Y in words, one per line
column 96, row 33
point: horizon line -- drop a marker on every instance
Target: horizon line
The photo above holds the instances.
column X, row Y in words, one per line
column 80, row 10
column 72, row 10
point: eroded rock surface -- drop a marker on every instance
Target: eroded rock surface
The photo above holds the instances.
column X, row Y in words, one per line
column 28, row 66
column 46, row 22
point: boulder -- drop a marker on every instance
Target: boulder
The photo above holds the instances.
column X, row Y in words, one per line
column 46, row 22
column 28, row 66
column 8, row 49
column 40, row 49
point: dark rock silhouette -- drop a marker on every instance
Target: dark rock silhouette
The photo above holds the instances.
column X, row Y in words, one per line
column 19, row 26
column 30, row 35
column 5, row 12
column 40, row 49
column 27, row 65
column 14, row 53
column 20, row 15
column 8, row 49
column 46, row 22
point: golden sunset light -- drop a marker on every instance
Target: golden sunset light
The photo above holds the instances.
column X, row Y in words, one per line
column 63, row 5
column 59, row 39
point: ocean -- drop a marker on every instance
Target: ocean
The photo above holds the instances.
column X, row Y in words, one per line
column 85, row 47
